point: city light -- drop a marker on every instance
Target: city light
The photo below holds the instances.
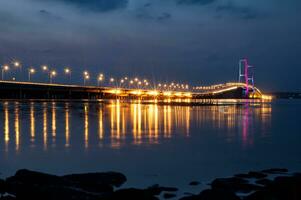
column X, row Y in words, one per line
column 52, row 74
column 30, row 72
column 100, row 79
column 4, row 68
column 17, row 64
column 67, row 71
column 45, row 68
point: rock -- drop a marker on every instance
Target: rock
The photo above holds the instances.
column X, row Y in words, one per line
column 157, row 190
column 261, row 195
column 194, row 183
column 213, row 194
column 28, row 177
column 264, row 181
column 96, row 182
column 192, row 197
column 30, row 184
column 275, row 171
column 282, row 188
column 168, row 195
column 8, row 197
column 132, row 194
column 110, row 178
column 3, row 187
column 233, row 184
column 252, row 174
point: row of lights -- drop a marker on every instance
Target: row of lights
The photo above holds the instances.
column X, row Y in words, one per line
column 135, row 82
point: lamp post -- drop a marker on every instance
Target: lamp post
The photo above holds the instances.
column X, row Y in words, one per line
column 100, row 79
column 131, row 83
column 121, row 82
column 18, row 65
column 45, row 69
column 30, row 72
column 68, row 72
column 52, row 74
column 4, row 68
column 86, row 76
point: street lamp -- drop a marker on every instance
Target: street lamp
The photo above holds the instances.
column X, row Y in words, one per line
column 4, row 68
column 51, row 75
column 86, row 76
column 68, row 72
column 121, row 82
column 30, row 71
column 17, row 65
column 100, row 79
column 45, row 68
column 131, row 83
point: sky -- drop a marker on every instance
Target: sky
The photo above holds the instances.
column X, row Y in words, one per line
column 195, row 41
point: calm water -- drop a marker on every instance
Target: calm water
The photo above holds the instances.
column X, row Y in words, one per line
column 150, row 144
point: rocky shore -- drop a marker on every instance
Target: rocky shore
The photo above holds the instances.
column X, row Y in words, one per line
column 270, row 184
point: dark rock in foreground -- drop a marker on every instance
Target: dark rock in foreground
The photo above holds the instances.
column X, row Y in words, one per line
column 26, row 184
column 194, row 183
column 252, row 174
column 132, row 194
column 234, row 185
column 275, row 171
column 213, row 194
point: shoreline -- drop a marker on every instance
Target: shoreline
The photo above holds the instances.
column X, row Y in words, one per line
column 275, row 183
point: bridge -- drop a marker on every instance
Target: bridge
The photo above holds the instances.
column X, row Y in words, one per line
column 31, row 90
column 243, row 89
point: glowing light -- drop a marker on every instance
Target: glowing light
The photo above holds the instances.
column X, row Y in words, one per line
column 5, row 67
column 86, row 129
column 136, row 92
column 17, row 64
column 266, row 97
column 86, row 73
column 67, row 130
column 153, row 93
column 44, row 68
column 225, row 90
column 53, row 73
column 112, row 79
column 114, row 91
column 167, row 93
column 67, row 70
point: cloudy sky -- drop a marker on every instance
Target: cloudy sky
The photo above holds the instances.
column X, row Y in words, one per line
column 197, row 41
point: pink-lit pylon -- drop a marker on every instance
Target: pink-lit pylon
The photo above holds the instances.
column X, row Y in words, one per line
column 244, row 74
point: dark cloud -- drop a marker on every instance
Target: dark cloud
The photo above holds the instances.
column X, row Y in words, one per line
column 199, row 2
column 238, row 11
column 48, row 15
column 98, row 5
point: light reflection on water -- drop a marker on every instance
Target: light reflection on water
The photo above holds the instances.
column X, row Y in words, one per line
column 150, row 143
column 117, row 124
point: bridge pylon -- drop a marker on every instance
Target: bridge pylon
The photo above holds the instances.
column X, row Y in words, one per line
column 246, row 75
